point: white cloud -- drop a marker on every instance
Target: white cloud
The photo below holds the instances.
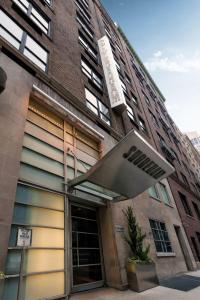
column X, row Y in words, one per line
column 176, row 63
column 157, row 54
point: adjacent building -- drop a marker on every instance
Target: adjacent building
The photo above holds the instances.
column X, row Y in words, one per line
column 84, row 133
column 195, row 139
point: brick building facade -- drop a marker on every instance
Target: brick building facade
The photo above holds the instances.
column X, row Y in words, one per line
column 56, row 121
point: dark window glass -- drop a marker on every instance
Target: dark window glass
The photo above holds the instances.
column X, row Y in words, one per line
column 86, row 274
column 197, row 210
column 88, row 240
column 185, row 204
column 89, row 256
column 83, row 212
column 160, row 236
column 82, row 225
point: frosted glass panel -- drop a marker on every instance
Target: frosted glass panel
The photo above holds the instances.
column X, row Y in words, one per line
column 43, row 260
column 11, row 289
column 46, row 237
column 37, row 216
column 43, row 135
column 85, row 148
column 13, row 262
column 28, row 195
column 46, row 122
column 42, row 162
column 43, row 148
column 40, row 177
column 43, row 286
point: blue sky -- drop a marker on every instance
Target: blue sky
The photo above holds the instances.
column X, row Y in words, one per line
column 166, row 36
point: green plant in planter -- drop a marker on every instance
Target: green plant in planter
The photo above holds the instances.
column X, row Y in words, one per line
column 135, row 238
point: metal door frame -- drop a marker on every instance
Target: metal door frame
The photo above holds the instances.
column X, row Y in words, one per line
column 96, row 284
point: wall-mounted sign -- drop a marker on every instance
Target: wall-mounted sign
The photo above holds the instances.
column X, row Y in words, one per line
column 115, row 91
column 136, row 166
column 24, row 237
column 119, row 228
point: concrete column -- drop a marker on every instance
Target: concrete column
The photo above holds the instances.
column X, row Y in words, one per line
column 13, row 109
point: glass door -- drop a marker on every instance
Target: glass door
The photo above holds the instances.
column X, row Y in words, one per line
column 86, row 252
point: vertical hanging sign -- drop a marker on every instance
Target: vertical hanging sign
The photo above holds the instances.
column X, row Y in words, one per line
column 115, row 91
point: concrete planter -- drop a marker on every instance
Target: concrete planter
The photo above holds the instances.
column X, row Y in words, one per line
column 141, row 277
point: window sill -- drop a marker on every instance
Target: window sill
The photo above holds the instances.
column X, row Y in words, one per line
column 154, row 198
column 169, row 205
column 166, row 254
column 191, row 217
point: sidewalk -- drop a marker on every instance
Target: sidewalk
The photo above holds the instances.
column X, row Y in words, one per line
column 157, row 293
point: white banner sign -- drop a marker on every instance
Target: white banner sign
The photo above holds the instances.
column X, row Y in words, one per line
column 24, row 237
column 115, row 91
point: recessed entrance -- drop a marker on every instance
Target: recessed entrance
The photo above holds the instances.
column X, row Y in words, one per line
column 86, row 250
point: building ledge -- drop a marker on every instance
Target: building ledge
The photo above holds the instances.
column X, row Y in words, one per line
column 166, row 254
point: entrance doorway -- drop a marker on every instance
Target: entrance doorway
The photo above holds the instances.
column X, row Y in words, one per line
column 86, row 250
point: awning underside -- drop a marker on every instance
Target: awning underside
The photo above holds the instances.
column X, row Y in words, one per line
column 126, row 171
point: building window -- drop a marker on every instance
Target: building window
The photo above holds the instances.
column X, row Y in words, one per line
column 84, row 26
column 22, row 41
column 87, row 46
column 36, row 16
column 197, row 210
column 153, row 192
column 128, row 79
column 117, row 65
column 142, row 125
column 49, row 2
column 84, row 2
column 134, row 99
column 146, row 99
column 118, row 48
column 87, row 70
column 155, row 121
column 83, row 11
column 185, row 181
column 130, row 112
column 107, row 31
column 123, row 86
column 95, row 105
column 164, row 193
column 185, row 204
column 160, row 235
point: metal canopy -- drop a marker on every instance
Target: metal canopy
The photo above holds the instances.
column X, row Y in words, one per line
column 130, row 168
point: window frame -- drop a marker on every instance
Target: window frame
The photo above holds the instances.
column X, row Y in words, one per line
column 84, row 26
column 98, row 107
column 83, row 11
column 156, row 192
column 93, row 75
column 29, row 14
column 186, row 206
column 163, row 236
column 163, row 187
column 86, row 45
column 142, row 125
column 23, row 44
column 130, row 113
